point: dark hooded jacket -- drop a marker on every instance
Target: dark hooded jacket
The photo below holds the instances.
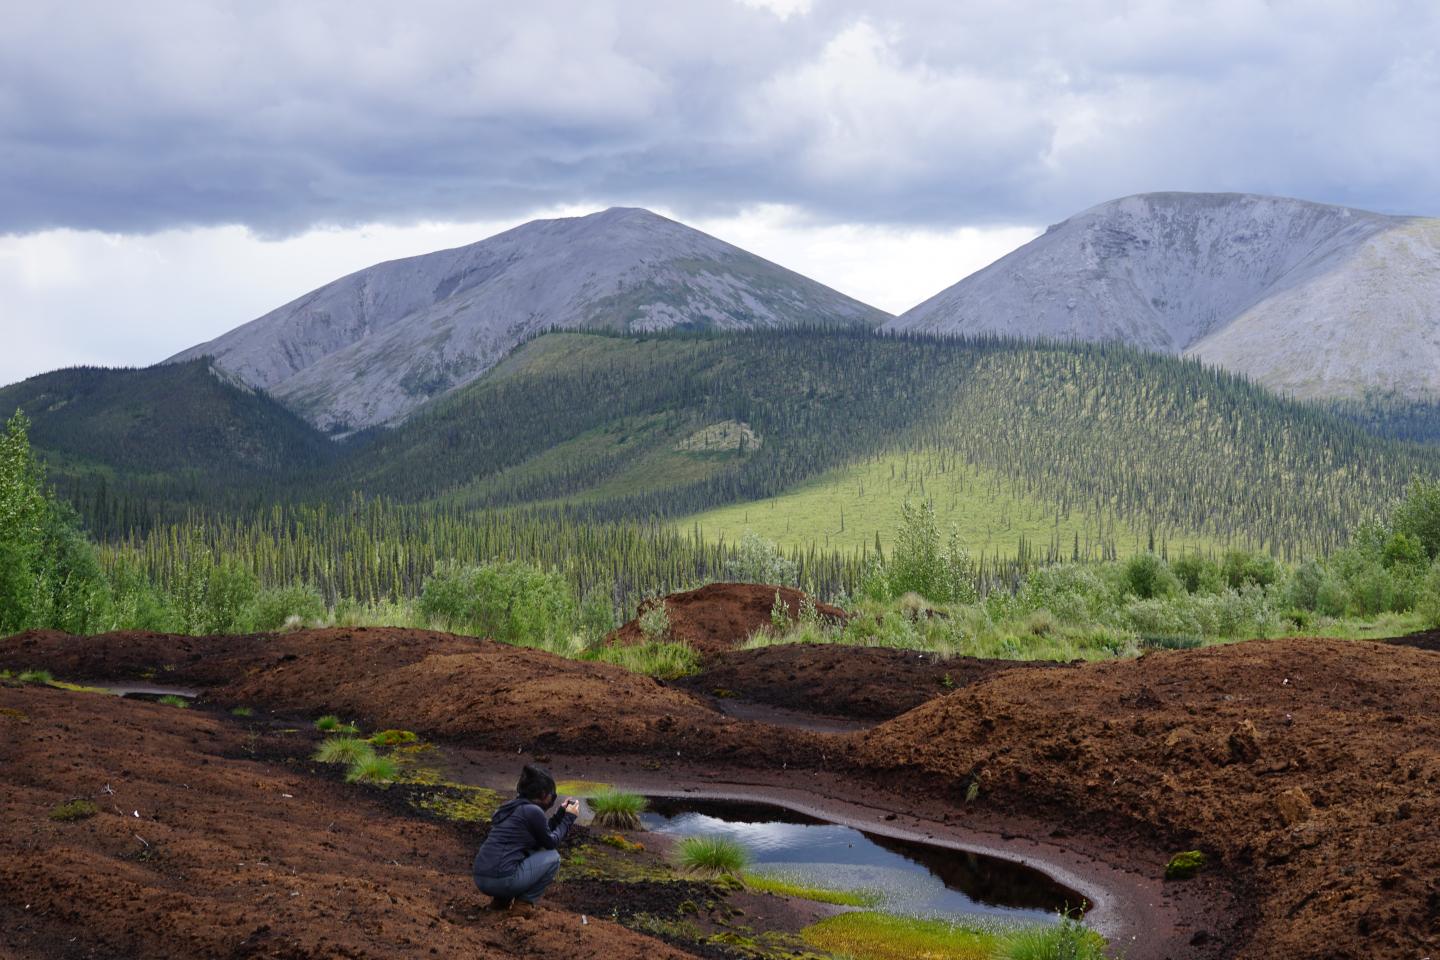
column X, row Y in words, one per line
column 518, row 829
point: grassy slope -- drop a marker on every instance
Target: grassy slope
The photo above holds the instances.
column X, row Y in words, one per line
column 846, row 508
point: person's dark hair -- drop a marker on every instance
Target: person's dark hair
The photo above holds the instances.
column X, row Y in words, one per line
column 535, row 783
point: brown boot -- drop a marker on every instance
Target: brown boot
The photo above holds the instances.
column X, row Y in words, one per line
column 501, row 903
column 523, row 907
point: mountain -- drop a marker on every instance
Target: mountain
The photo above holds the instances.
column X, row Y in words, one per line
column 1313, row 300
column 180, row 432
column 369, row 348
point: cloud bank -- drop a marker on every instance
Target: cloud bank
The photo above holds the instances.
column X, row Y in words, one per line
column 282, row 117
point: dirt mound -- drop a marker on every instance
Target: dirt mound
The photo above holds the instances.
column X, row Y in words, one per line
column 1308, row 770
column 447, row 687
column 721, row 616
column 194, row 852
column 857, row 682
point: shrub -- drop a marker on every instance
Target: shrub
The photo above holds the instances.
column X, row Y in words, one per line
column 712, row 856
column 597, row 614
column 230, row 590
column 1418, row 516
column 72, row 810
column 1148, row 577
column 510, row 601
column 655, row 622
column 758, row 560
column 170, row 700
column 1197, row 573
column 277, row 607
column 617, row 810
column 1303, row 592
column 1428, row 602
column 347, row 750
column 1241, row 567
column 920, row 563
column 373, row 769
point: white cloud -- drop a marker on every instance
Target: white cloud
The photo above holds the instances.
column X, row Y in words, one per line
column 84, row 297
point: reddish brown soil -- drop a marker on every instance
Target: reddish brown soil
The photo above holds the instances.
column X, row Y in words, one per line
column 866, row 683
column 720, row 616
column 199, row 852
column 1308, row 769
column 446, row 687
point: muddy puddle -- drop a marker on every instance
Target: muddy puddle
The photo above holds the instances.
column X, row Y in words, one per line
column 904, row 877
column 144, row 691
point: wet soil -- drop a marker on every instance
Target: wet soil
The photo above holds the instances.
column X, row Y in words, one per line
column 721, row 616
column 1425, row 640
column 198, row 852
column 1307, row 769
column 857, row 683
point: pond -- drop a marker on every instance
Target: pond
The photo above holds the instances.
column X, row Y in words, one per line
column 144, row 691
column 909, row 878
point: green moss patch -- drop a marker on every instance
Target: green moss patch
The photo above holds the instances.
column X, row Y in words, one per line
column 882, row 936
column 1185, row 865
column 582, row 788
column 72, row 810
column 783, row 887
column 459, row 803
column 394, row 738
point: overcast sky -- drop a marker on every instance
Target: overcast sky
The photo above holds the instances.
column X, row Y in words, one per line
column 171, row 170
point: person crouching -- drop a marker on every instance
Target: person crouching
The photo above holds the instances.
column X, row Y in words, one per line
column 518, row 859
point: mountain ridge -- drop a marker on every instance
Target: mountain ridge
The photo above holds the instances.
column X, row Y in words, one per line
column 1242, row 281
column 370, row 347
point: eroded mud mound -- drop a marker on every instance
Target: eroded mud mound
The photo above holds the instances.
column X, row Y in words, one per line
column 1309, row 770
column 721, row 616
column 863, row 683
column 196, row 851
column 477, row 692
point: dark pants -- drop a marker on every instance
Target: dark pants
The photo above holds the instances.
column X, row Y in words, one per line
column 527, row 882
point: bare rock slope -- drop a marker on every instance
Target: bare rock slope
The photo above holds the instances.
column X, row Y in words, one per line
column 1310, row 299
column 371, row 347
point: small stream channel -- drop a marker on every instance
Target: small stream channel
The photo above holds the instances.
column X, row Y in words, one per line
column 909, row 878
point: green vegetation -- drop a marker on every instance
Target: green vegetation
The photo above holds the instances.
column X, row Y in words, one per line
column 1185, row 865
column 655, row 622
column 881, row 936
column 170, row 700
column 242, row 712
column 711, row 856
column 72, row 810
column 664, row 660
column 581, row 788
column 41, row 677
column 328, row 723
column 373, row 769
column 346, row 750
column 393, row 738
column 617, row 809
column 781, row 886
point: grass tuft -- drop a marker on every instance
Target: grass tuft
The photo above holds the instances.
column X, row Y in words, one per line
column 782, row 887
column 331, row 724
column 346, row 750
column 373, row 769
column 617, row 809
column 35, row 676
column 170, row 700
column 1067, row 940
column 72, row 810
column 711, row 856
column 394, row 738
column 242, row 712
column 665, row 660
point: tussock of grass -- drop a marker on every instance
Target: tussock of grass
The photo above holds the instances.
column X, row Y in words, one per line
column 72, row 810
column 882, row 936
column 711, row 856
column 242, row 712
column 1068, row 940
column 346, row 750
column 170, row 700
column 665, row 660
column 35, row 676
column 782, row 887
column 373, row 770
column 617, row 810
column 331, row 724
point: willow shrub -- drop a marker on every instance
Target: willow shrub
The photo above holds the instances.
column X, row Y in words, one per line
column 507, row 600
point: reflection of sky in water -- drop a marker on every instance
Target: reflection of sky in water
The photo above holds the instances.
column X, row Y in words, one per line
column 842, row 858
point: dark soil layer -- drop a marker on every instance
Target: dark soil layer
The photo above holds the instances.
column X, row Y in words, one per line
column 194, row 853
column 720, row 616
column 1309, row 771
column 445, row 687
column 866, row 683
column 1425, row 640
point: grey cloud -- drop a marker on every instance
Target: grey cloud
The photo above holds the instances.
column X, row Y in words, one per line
column 280, row 116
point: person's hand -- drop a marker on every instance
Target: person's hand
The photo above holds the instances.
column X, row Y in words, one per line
column 571, row 805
